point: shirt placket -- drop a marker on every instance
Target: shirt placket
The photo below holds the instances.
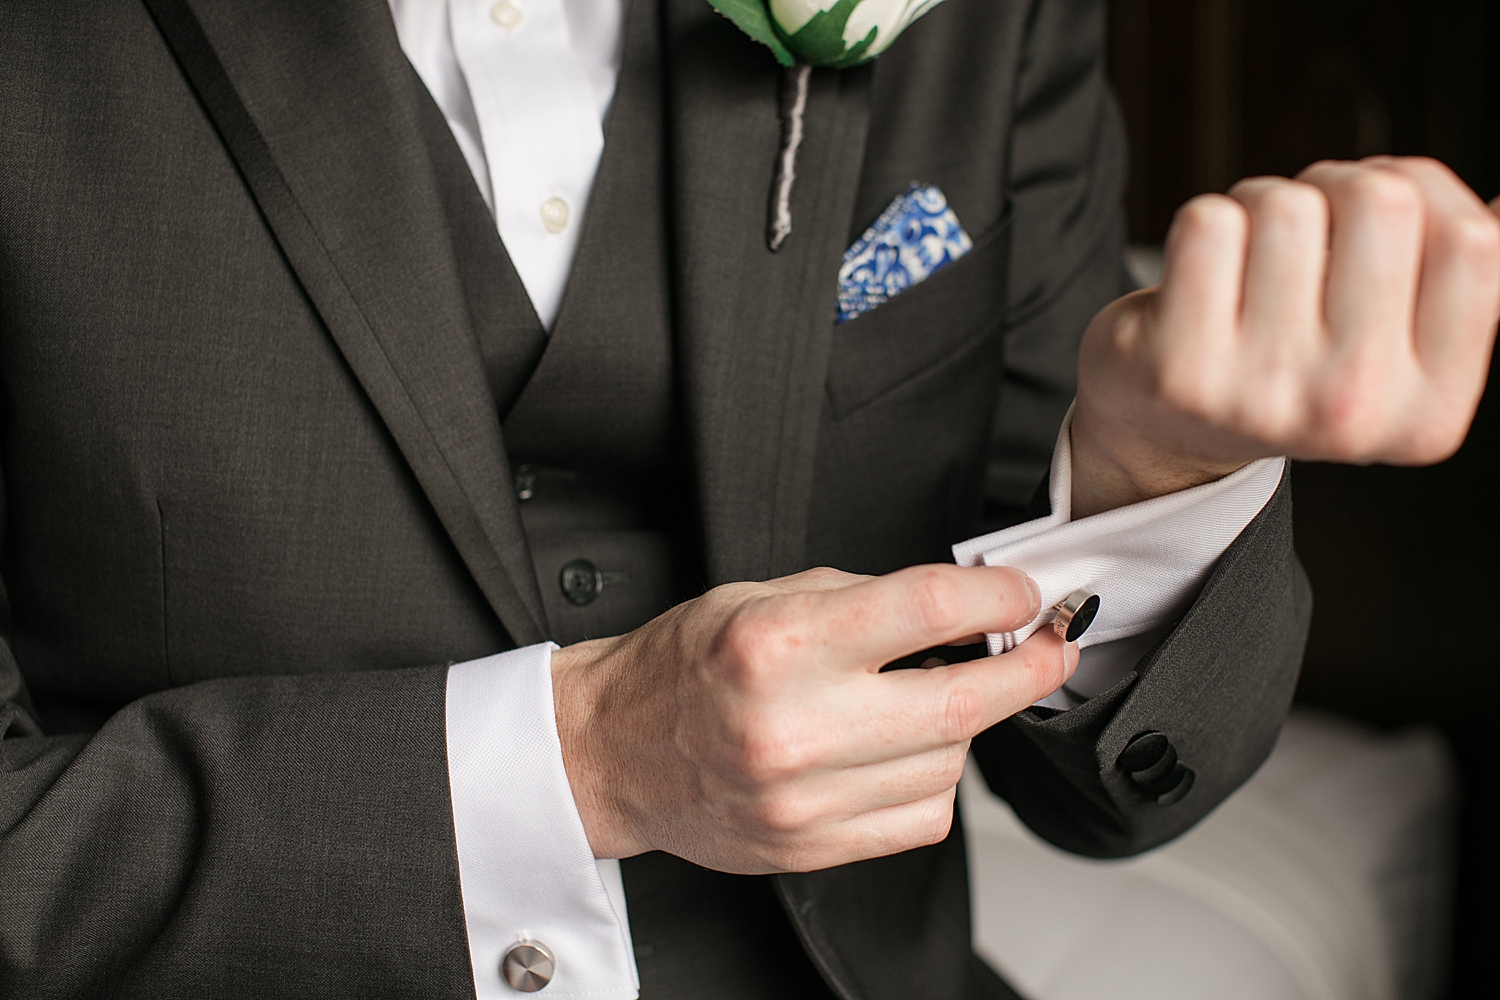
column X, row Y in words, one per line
column 539, row 124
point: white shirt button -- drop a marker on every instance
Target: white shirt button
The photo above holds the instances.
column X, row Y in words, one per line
column 509, row 14
column 555, row 215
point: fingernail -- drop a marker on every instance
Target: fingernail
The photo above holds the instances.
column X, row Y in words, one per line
column 1036, row 596
column 1071, row 655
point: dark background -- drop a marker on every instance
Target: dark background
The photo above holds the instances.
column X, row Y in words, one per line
column 1403, row 561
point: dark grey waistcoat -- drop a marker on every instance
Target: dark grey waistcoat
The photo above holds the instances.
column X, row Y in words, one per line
column 592, row 440
column 598, row 469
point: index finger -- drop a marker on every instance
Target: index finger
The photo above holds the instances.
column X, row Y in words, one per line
column 882, row 619
column 907, row 712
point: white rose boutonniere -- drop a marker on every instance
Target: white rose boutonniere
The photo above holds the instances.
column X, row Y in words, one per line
column 832, row 33
column 801, row 34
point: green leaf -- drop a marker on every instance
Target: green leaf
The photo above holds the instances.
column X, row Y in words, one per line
column 751, row 17
column 856, row 55
column 821, row 40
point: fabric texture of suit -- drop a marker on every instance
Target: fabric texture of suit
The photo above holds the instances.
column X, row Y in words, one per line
column 257, row 492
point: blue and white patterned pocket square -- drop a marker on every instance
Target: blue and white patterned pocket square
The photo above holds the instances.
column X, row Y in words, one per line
column 916, row 236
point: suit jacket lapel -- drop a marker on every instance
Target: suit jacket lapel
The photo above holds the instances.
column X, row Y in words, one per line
column 754, row 328
column 319, row 108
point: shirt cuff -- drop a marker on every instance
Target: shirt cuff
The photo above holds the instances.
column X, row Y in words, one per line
column 525, row 868
column 1146, row 561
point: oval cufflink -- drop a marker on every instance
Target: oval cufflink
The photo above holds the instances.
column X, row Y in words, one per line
column 1075, row 614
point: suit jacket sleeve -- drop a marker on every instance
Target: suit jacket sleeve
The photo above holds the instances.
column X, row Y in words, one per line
column 211, row 839
column 286, row 829
column 1219, row 684
column 1066, row 184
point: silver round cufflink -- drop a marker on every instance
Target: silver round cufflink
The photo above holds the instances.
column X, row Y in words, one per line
column 1075, row 614
column 528, row 966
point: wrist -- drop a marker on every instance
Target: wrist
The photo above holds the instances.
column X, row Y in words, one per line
column 1116, row 463
column 579, row 685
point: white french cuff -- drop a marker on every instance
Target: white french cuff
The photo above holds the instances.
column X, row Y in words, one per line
column 525, row 868
column 1147, row 561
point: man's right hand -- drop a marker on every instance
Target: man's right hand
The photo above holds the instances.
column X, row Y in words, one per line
column 752, row 731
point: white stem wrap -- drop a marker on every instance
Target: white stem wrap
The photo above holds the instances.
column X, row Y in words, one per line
column 793, row 107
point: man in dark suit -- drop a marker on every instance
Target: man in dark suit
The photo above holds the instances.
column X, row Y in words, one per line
column 284, row 439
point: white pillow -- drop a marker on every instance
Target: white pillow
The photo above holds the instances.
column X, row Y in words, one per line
column 1328, row 875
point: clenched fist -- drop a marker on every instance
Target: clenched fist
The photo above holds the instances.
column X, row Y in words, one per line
column 1347, row 315
column 752, row 730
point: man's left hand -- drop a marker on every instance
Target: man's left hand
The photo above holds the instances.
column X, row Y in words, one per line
column 1346, row 315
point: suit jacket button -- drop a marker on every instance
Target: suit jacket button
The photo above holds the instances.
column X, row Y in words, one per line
column 581, row 581
column 1157, row 771
column 528, row 966
column 1178, row 791
column 1144, row 751
column 1166, row 783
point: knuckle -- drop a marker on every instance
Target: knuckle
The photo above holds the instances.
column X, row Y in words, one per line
column 935, row 824
column 1051, row 671
column 1274, row 417
column 1477, row 236
column 1349, row 431
column 728, row 601
column 1250, row 190
column 824, row 576
column 768, row 752
column 951, row 768
column 755, row 644
column 1443, row 443
column 1209, row 214
column 1245, row 190
column 1321, row 173
column 1429, row 450
column 1293, row 204
column 963, row 712
column 1386, row 192
column 1425, row 164
column 1123, row 323
column 1434, row 436
column 783, row 813
column 1042, row 659
column 937, row 601
column 1181, row 385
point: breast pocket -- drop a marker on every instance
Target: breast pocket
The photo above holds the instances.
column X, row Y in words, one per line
column 923, row 328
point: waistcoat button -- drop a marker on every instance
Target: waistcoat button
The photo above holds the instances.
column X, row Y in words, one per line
column 581, row 581
column 528, row 966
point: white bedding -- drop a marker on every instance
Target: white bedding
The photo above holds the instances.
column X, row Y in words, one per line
column 1327, row 877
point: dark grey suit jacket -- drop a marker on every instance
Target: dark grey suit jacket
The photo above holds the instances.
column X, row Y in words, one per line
column 256, row 492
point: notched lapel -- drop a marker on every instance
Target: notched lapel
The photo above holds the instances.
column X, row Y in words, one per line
column 753, row 327
column 317, row 105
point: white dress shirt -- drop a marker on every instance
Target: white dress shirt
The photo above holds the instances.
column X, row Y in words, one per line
column 525, row 85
